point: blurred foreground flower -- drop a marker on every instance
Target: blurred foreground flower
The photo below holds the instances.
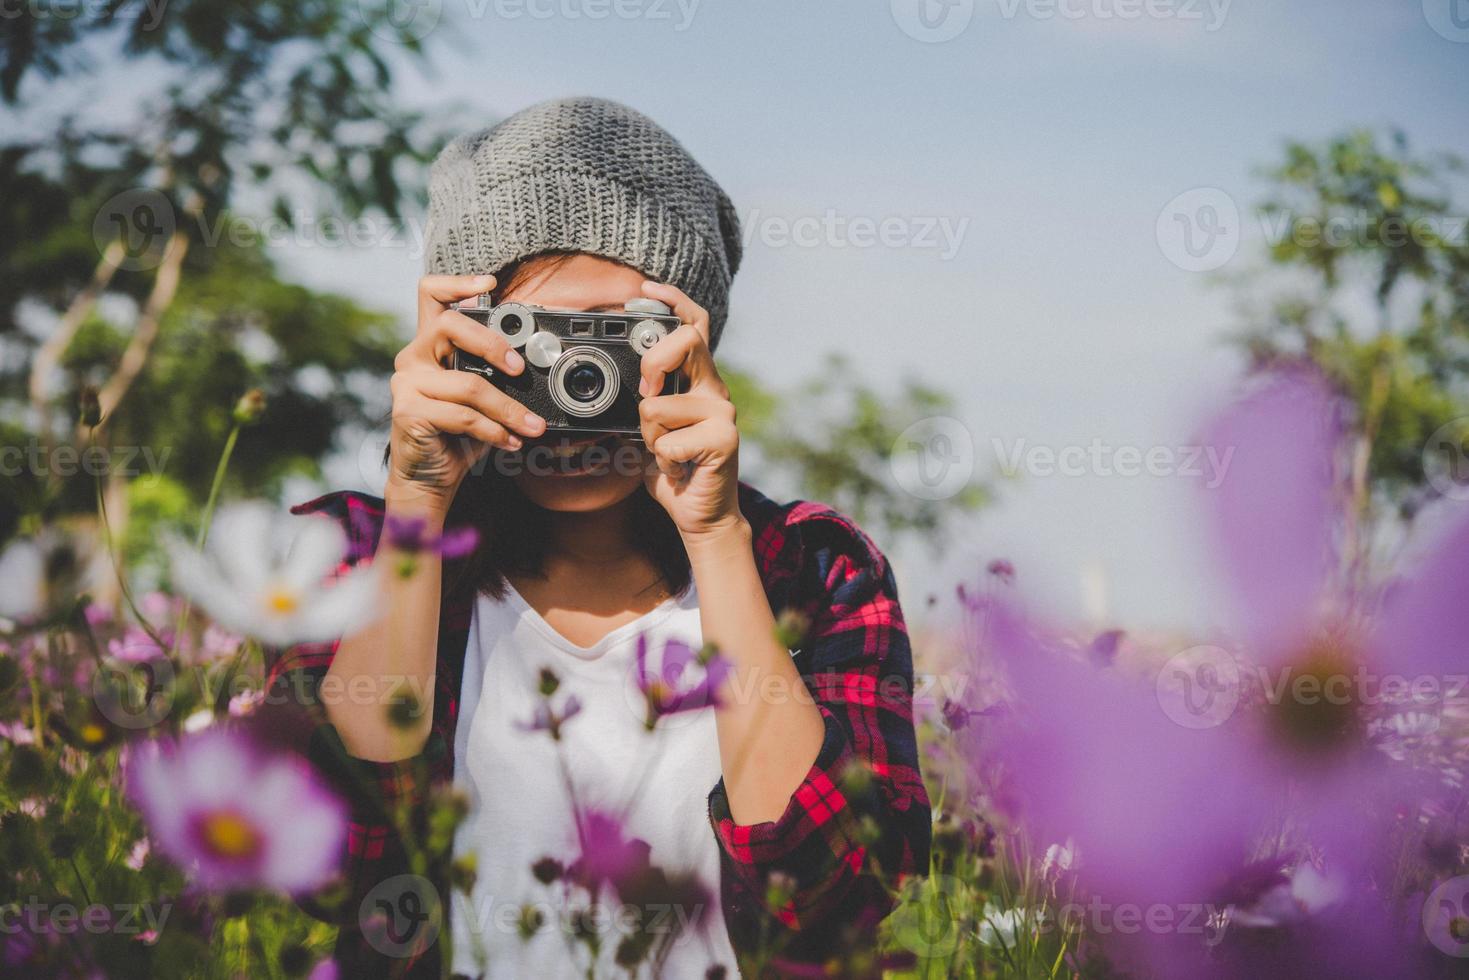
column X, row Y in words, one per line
column 22, row 581
column 234, row 816
column 411, row 534
column 669, row 690
column 258, row 581
column 608, row 854
column 1171, row 793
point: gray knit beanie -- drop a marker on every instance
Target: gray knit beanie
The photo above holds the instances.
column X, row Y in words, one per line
column 584, row 175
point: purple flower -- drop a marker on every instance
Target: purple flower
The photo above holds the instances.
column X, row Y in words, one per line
column 1002, row 569
column 547, row 720
column 956, row 716
column 218, row 642
column 608, row 854
column 668, row 691
column 1160, row 812
column 135, row 646
column 1167, row 805
column 407, row 534
column 98, row 614
column 234, row 816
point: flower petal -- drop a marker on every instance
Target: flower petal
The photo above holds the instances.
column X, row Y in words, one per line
column 318, row 548
column 200, row 580
column 1420, row 628
column 345, row 606
column 1272, row 509
column 242, row 542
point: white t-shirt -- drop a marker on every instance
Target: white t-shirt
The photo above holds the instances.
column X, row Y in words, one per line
column 519, row 811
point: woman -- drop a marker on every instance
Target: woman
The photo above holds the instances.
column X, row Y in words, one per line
column 800, row 787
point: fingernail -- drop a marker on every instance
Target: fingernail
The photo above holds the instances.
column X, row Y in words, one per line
column 513, row 442
column 534, row 421
column 514, row 362
column 643, row 387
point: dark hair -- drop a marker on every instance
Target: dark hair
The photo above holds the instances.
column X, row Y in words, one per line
column 514, row 531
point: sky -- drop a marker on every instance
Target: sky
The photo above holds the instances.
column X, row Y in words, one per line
column 1040, row 170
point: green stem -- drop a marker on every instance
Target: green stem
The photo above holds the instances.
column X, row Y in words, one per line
column 107, row 539
column 38, row 719
column 205, row 520
column 81, row 882
column 214, row 488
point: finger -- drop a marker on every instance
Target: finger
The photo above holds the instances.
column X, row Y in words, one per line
column 451, row 329
column 711, row 437
column 665, row 413
column 685, row 349
column 435, row 293
column 684, row 308
column 472, row 391
column 452, row 419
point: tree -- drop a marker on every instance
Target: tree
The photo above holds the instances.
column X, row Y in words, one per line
column 1377, row 296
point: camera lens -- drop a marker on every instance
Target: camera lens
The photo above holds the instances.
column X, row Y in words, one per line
column 510, row 323
column 585, row 382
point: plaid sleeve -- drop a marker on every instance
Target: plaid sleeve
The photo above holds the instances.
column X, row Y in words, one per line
column 381, row 796
column 860, row 820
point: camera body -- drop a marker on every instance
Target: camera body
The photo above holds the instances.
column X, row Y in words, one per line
column 582, row 369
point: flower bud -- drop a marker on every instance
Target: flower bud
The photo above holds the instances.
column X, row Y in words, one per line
column 250, row 407
column 89, row 408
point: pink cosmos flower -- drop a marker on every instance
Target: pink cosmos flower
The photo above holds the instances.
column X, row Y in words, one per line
column 234, row 816
column 545, row 719
column 1168, row 792
column 608, row 854
column 135, row 646
column 669, row 691
column 98, row 614
column 408, row 534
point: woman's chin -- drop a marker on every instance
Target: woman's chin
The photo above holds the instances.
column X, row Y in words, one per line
column 578, row 492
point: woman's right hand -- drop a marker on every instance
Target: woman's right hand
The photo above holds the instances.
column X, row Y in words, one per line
column 444, row 420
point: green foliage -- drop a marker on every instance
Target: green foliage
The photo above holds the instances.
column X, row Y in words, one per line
column 832, row 438
column 1363, row 215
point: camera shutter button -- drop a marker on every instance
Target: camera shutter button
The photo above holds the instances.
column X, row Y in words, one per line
column 643, row 304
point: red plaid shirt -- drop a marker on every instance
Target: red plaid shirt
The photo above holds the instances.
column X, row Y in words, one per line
column 858, row 823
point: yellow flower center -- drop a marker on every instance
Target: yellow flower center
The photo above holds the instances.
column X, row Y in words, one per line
column 1319, row 710
column 93, row 733
column 229, row 835
column 281, row 600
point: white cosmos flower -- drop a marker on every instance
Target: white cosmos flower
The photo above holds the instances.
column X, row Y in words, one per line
column 22, row 581
column 1000, row 928
column 1059, row 857
column 267, row 576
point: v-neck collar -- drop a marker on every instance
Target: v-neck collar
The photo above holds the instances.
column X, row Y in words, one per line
column 612, row 638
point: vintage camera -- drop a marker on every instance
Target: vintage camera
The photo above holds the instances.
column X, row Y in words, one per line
column 582, row 369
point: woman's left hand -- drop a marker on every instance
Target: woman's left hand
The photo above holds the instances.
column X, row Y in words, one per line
column 691, row 436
